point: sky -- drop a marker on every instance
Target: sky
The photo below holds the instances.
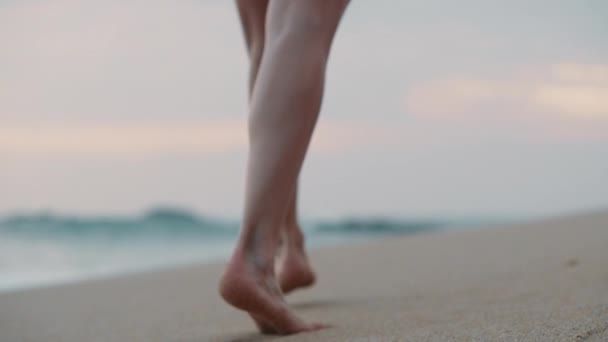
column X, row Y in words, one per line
column 432, row 108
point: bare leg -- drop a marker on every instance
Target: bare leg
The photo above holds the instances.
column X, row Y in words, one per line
column 284, row 110
column 294, row 268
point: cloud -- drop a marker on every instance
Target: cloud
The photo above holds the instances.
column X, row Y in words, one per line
column 560, row 90
column 579, row 100
column 115, row 139
column 119, row 138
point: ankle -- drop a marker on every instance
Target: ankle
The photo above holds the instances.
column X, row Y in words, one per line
column 256, row 251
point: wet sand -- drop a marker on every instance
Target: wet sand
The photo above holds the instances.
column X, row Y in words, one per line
column 542, row 281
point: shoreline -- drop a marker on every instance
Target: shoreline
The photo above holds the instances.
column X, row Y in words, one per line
column 316, row 240
column 172, row 265
column 43, row 253
column 544, row 280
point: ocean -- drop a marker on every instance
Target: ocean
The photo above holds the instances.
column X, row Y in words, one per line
column 44, row 248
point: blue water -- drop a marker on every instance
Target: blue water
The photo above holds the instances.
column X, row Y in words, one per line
column 43, row 249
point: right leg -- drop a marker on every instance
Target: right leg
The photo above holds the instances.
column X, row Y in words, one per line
column 294, row 268
column 284, row 109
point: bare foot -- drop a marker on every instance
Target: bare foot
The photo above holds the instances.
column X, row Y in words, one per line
column 245, row 286
column 295, row 271
column 293, row 267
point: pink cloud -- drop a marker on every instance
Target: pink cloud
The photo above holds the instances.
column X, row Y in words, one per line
column 199, row 137
column 562, row 90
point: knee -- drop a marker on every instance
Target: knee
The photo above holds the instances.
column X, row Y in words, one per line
column 308, row 35
column 305, row 48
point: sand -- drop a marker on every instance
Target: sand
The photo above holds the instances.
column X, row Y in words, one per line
column 542, row 281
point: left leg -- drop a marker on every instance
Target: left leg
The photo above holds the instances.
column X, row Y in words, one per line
column 253, row 21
